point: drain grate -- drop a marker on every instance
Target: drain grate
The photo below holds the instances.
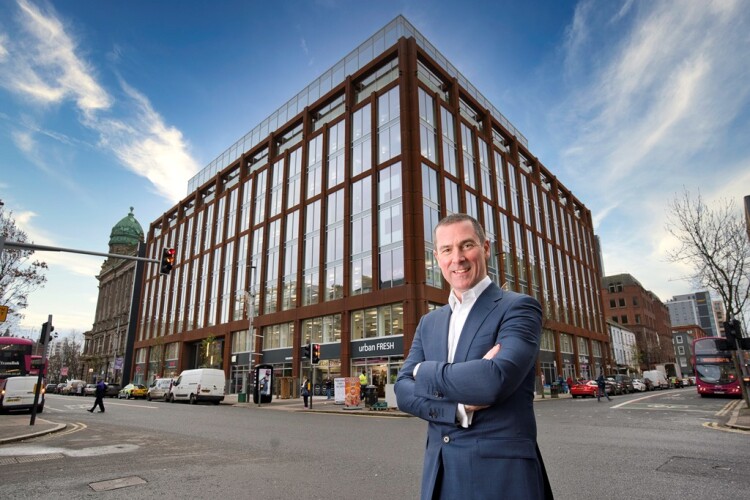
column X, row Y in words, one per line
column 38, row 458
column 114, row 484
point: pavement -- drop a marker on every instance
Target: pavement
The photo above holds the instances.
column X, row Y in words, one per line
column 16, row 427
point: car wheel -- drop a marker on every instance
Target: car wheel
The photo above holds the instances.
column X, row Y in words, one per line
column 574, row 396
column 192, row 399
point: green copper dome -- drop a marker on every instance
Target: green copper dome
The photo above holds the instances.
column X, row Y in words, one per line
column 126, row 232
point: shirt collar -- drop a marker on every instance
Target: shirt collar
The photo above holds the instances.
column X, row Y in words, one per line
column 469, row 295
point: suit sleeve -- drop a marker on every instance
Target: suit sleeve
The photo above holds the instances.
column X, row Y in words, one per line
column 487, row 382
column 426, row 408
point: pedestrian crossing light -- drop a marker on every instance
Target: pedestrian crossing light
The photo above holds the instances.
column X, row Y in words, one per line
column 46, row 334
column 306, row 351
column 167, row 260
column 315, row 354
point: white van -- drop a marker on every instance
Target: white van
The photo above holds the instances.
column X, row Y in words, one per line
column 201, row 384
column 17, row 393
column 657, row 379
column 159, row 389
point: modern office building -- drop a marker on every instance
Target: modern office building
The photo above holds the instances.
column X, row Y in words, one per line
column 628, row 303
column 694, row 309
column 317, row 225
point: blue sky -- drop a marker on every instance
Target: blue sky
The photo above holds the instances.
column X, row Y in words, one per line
column 107, row 105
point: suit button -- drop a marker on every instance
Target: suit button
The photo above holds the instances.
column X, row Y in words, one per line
column 446, row 439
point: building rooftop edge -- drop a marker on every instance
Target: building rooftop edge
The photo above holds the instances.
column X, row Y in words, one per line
column 350, row 63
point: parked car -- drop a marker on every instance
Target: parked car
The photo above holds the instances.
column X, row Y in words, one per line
column 50, row 388
column 132, row 391
column 638, row 385
column 89, row 390
column 60, row 387
column 614, row 387
column 112, row 391
column 625, row 382
column 72, row 387
column 584, row 389
column 159, row 389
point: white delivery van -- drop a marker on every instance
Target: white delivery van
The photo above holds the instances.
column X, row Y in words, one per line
column 200, row 384
column 657, row 379
column 159, row 389
column 17, row 393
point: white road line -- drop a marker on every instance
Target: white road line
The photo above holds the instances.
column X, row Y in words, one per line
column 636, row 400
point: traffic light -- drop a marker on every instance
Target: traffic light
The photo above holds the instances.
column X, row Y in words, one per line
column 45, row 334
column 315, row 354
column 732, row 333
column 306, row 351
column 167, row 260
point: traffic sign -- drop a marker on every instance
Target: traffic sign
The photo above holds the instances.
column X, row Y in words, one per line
column 3, row 313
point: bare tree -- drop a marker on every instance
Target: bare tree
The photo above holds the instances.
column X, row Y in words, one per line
column 713, row 241
column 19, row 275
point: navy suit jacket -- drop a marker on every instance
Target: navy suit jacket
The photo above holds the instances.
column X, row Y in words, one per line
column 496, row 456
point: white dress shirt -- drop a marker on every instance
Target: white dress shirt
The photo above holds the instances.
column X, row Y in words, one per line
column 460, row 311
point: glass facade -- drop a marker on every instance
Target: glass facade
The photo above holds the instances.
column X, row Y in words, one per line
column 319, row 226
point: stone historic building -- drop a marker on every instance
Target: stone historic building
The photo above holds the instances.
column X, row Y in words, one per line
column 104, row 344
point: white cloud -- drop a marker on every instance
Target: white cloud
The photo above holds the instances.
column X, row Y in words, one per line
column 43, row 65
column 650, row 113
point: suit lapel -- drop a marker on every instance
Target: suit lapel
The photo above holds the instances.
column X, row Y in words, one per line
column 443, row 320
column 482, row 307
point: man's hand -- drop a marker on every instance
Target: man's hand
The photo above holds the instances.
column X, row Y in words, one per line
column 489, row 355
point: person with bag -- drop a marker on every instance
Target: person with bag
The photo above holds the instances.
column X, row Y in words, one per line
column 305, row 389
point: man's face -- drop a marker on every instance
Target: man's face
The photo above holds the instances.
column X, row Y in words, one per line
column 462, row 259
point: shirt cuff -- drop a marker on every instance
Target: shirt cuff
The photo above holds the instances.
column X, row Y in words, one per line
column 463, row 417
column 414, row 373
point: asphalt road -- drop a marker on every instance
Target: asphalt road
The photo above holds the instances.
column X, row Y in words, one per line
column 660, row 445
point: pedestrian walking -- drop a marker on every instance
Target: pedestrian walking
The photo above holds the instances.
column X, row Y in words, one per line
column 101, row 389
column 601, row 388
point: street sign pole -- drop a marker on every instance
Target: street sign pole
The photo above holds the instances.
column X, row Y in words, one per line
column 46, row 334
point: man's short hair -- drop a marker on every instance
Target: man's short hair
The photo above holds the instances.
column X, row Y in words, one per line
column 456, row 218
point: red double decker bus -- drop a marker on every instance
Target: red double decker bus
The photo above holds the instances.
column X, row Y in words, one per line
column 15, row 357
column 715, row 372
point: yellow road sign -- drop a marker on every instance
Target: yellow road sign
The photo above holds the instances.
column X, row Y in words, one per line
column 3, row 313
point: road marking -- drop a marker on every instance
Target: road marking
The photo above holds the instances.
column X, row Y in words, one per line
column 728, row 408
column 717, row 427
column 635, row 400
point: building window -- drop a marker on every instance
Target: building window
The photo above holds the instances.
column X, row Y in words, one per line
column 390, row 227
column 314, row 166
column 449, row 141
column 427, row 133
column 431, row 213
column 334, row 258
column 637, row 319
column 336, row 148
column 380, row 321
column 389, row 126
column 635, row 301
column 681, row 350
column 361, row 239
column 624, row 319
column 566, row 343
column 621, row 302
column 310, row 294
column 548, row 341
column 612, row 303
column 291, row 244
column 361, row 140
column 324, row 330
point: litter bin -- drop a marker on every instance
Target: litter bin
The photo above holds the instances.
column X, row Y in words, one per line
column 242, row 397
column 371, row 395
column 554, row 390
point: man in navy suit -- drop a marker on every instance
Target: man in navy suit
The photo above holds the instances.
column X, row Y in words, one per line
column 470, row 374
